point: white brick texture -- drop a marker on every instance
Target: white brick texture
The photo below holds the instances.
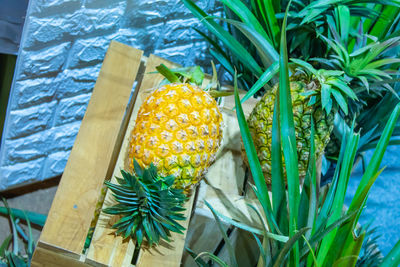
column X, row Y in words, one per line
column 62, row 48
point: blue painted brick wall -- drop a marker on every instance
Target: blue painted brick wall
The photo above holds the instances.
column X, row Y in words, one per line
column 62, row 48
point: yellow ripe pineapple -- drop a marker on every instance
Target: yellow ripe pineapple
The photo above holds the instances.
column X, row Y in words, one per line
column 178, row 129
column 176, row 136
column 317, row 95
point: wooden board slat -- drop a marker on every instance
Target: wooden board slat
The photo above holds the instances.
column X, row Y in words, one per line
column 106, row 248
column 46, row 255
column 93, row 152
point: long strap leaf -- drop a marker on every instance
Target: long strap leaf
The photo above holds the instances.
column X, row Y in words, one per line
column 393, row 258
column 376, row 159
column 345, row 170
column 265, row 77
column 288, row 247
column 254, row 163
column 241, row 10
column 277, row 177
column 288, row 137
column 228, row 243
column 240, row 52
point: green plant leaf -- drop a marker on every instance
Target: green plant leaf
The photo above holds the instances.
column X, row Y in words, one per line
column 280, row 238
column 345, row 171
column 278, row 183
column 384, row 22
column 14, row 228
column 265, row 77
column 168, row 74
column 343, row 16
column 263, row 254
column 272, row 22
column 319, row 234
column 343, row 87
column 382, row 62
column 288, row 133
column 376, row 160
column 31, row 242
column 4, row 246
column 346, row 243
column 288, row 138
column 266, row 51
column 224, row 61
column 393, row 258
column 240, row 225
column 254, row 163
column 228, row 243
column 281, row 257
column 199, row 261
column 326, row 97
column 234, row 46
column 340, row 100
column 241, row 10
column 308, row 198
column 214, row 258
column 305, row 65
column 311, row 250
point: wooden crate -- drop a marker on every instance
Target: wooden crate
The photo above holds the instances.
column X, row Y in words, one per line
column 98, row 155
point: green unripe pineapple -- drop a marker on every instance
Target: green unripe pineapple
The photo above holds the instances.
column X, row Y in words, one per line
column 315, row 94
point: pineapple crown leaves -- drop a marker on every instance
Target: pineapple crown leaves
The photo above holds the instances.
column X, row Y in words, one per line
column 367, row 63
column 333, row 88
column 193, row 75
column 149, row 205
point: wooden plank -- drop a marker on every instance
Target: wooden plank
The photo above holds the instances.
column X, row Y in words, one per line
column 106, row 248
column 46, row 255
column 93, row 152
column 167, row 254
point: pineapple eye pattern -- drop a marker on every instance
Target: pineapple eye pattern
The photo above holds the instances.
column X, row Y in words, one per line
column 182, row 130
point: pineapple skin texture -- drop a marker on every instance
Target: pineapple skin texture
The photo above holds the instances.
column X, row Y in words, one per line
column 179, row 129
column 260, row 126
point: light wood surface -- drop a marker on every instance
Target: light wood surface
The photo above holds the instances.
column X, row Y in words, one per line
column 49, row 255
column 93, row 152
column 106, row 248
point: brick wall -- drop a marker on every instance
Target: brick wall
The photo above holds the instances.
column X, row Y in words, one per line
column 62, row 47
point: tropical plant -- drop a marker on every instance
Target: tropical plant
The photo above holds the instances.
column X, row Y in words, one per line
column 315, row 93
column 149, row 205
column 300, row 227
column 335, row 35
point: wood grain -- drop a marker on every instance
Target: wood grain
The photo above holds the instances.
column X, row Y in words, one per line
column 92, row 154
column 106, row 248
column 49, row 256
